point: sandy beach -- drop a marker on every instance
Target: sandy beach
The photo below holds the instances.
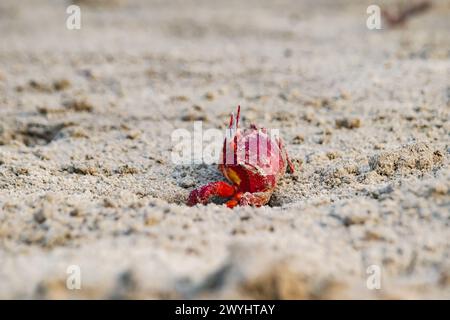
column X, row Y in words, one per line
column 87, row 178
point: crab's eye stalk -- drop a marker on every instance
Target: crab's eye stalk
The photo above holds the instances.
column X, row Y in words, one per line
column 234, row 122
column 231, row 139
column 232, row 133
column 229, row 147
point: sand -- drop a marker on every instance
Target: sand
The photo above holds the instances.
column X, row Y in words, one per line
column 86, row 176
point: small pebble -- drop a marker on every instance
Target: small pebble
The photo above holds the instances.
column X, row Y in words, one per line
column 209, row 95
column 39, row 216
column 348, row 123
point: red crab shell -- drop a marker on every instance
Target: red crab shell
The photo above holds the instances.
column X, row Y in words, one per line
column 253, row 170
column 253, row 160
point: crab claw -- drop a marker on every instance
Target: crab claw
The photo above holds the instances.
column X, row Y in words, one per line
column 203, row 194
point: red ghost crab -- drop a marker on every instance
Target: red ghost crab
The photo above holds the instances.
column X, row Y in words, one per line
column 253, row 161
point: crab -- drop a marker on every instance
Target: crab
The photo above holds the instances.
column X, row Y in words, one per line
column 253, row 161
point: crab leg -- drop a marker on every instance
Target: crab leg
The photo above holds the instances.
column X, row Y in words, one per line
column 256, row 199
column 289, row 162
column 204, row 193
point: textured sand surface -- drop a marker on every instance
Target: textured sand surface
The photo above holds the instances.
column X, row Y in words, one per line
column 86, row 176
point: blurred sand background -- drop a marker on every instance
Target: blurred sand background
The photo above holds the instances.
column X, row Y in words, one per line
column 86, row 177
